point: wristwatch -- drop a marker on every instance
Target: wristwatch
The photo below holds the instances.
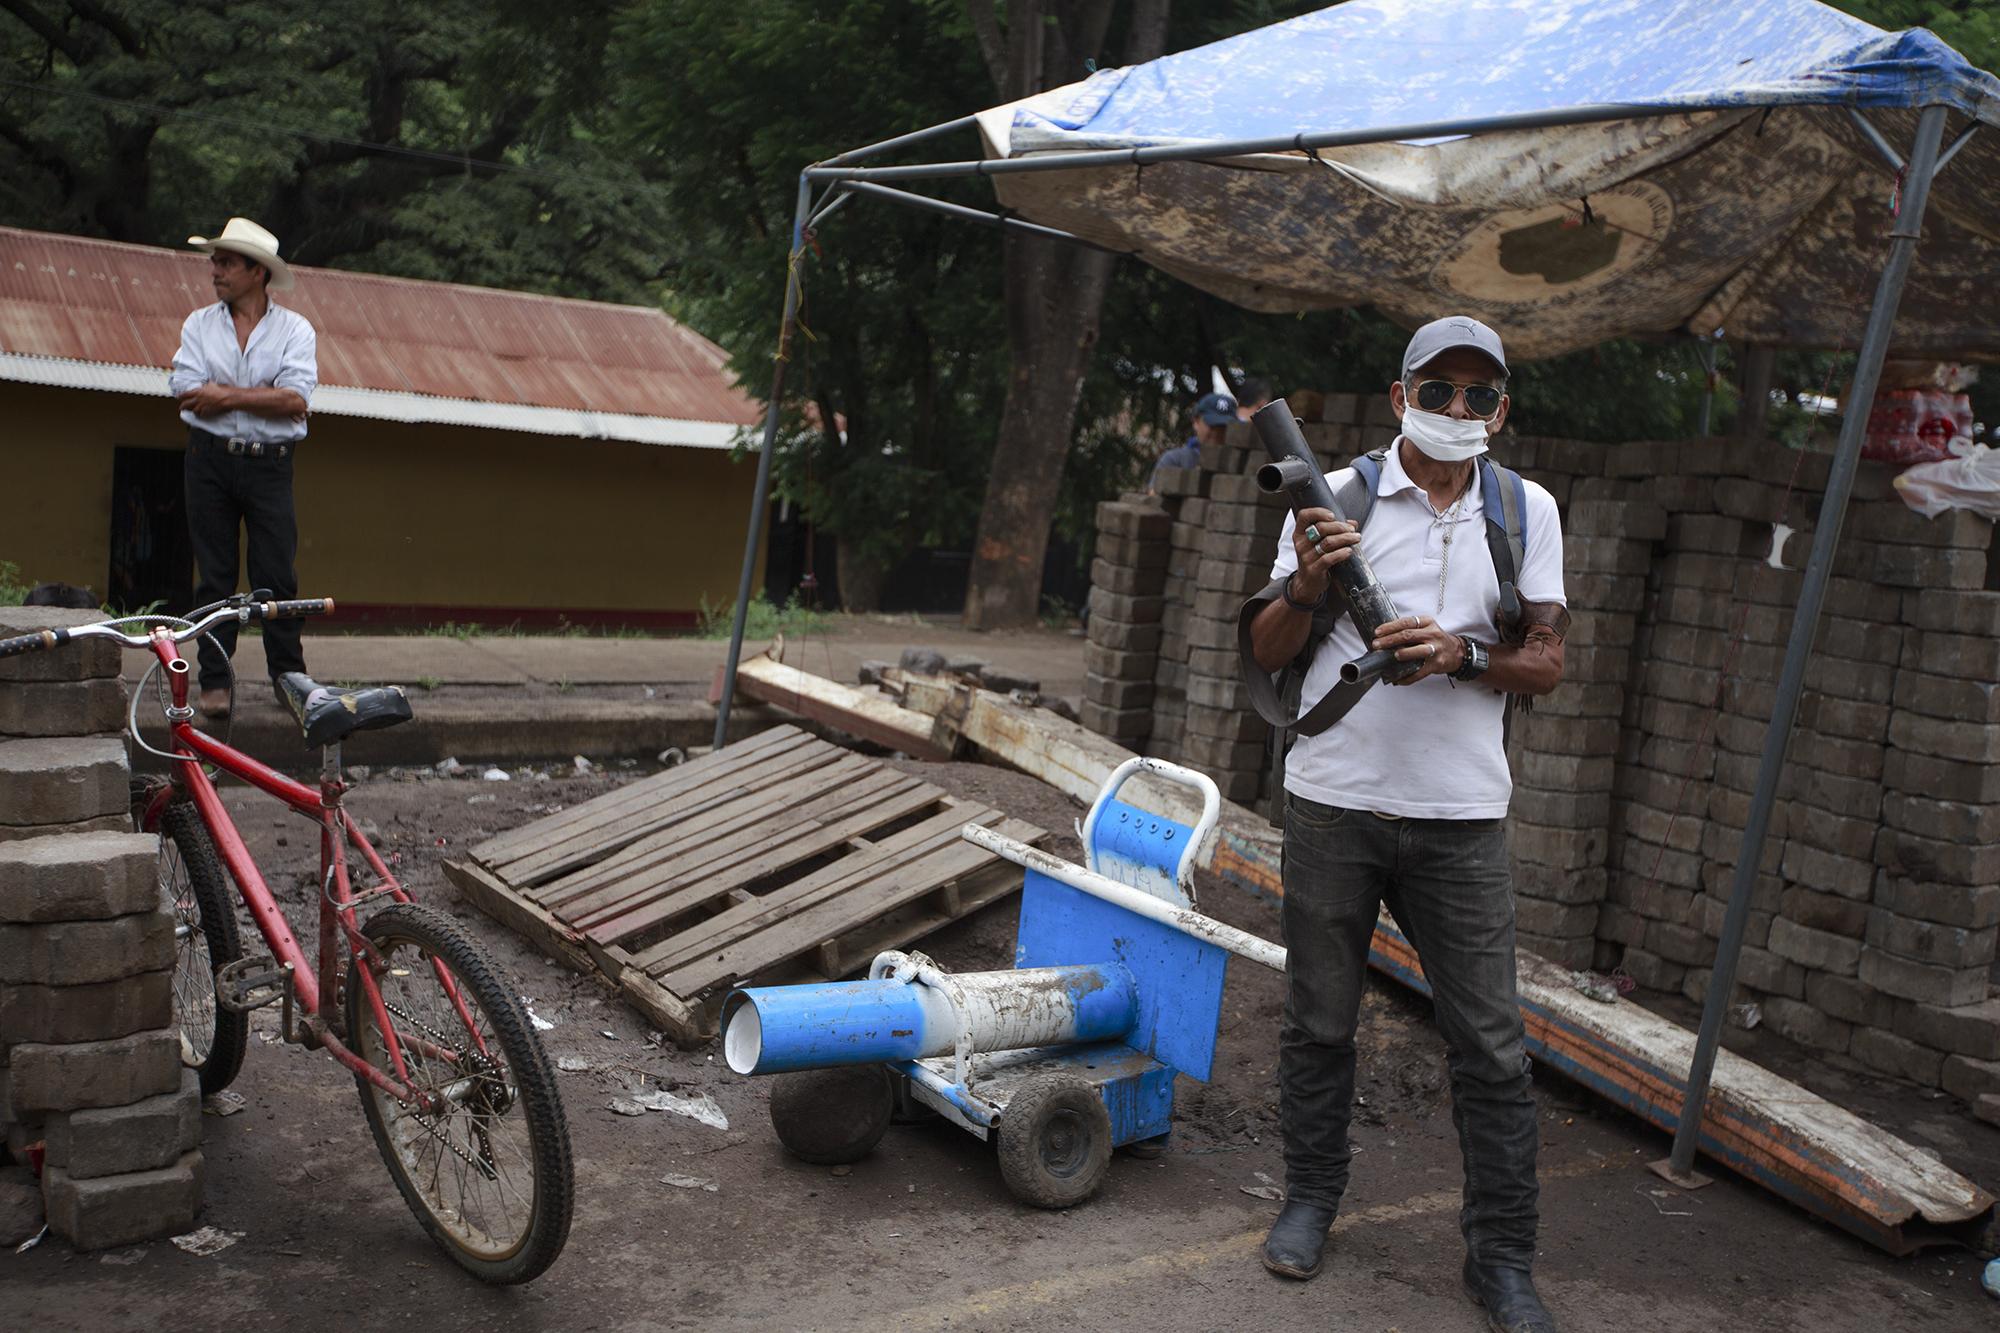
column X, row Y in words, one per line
column 1476, row 659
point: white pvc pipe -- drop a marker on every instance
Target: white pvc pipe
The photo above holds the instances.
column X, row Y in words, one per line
column 1239, row 942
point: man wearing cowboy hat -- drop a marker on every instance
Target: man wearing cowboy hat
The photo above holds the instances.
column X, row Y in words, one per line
column 244, row 378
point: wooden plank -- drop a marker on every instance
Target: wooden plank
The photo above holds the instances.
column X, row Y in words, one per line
column 504, row 846
column 683, row 1022
column 663, row 897
column 655, row 914
column 803, row 929
column 616, row 827
column 704, row 826
column 718, row 931
column 614, row 836
column 492, row 896
column 869, row 716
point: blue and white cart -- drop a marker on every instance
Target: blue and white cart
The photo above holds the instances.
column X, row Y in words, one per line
column 1116, row 988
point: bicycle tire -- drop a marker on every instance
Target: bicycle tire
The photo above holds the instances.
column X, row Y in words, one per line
column 520, row 1100
column 191, row 876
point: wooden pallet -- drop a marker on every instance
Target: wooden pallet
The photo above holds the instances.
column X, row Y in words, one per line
column 781, row 858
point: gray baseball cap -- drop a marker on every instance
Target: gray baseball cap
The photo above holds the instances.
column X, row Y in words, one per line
column 1441, row 335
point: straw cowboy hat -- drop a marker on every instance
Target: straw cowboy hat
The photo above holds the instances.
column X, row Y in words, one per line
column 246, row 238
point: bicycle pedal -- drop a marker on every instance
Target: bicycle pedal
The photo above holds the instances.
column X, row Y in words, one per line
column 251, row 983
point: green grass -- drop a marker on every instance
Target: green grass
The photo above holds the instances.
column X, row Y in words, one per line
column 763, row 620
column 429, row 682
column 13, row 588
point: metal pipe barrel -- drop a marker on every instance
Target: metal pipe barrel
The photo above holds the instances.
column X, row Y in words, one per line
column 777, row 1029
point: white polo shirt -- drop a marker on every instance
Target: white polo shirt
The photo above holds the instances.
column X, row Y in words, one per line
column 1435, row 749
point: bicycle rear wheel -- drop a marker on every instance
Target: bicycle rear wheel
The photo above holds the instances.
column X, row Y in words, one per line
column 488, row 1175
column 191, row 876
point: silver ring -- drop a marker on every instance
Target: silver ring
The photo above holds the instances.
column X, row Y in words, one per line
column 1433, row 650
column 1312, row 533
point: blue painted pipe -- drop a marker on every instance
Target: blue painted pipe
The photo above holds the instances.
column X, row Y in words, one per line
column 777, row 1029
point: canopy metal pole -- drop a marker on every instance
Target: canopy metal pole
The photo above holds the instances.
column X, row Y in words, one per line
column 1805, row 623
column 794, row 257
column 901, row 140
column 978, row 215
column 1074, row 160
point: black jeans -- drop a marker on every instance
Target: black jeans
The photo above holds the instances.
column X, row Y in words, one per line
column 1447, row 884
column 226, row 492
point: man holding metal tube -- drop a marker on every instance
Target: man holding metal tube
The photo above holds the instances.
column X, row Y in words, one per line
column 1402, row 801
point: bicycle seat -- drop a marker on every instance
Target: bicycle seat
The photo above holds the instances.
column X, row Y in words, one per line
column 326, row 717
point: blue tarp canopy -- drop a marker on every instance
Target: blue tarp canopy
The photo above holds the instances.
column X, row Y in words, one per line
column 1741, row 194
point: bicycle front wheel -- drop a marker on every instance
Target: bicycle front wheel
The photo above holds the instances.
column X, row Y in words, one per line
column 191, row 877
column 487, row 1170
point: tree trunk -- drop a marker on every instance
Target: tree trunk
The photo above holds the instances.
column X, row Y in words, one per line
column 861, row 577
column 1055, row 296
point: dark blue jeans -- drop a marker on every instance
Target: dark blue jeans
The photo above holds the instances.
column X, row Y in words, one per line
column 1446, row 882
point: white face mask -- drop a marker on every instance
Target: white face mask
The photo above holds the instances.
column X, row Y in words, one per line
column 1444, row 439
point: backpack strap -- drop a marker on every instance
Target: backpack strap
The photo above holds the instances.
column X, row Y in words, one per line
column 1505, row 497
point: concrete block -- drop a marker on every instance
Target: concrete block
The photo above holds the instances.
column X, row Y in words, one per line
column 76, row 953
column 1819, row 950
column 1848, row 876
column 1970, row 1079
column 1564, row 951
column 1685, row 945
column 1836, row 834
column 98, row 1213
column 1891, row 1054
column 97, row 1012
column 1652, row 971
column 101, row 824
column 1123, row 606
column 1710, row 913
column 1912, row 857
column 1239, row 579
column 1177, row 481
column 1912, row 566
column 1969, row 1029
column 1538, row 916
column 1800, row 1022
column 1596, row 663
column 20, row 1206
column 1124, row 636
column 1943, row 821
column 1945, row 738
column 1647, row 824
column 1828, row 912
column 79, row 877
column 1561, row 809
column 1133, row 553
column 1972, row 906
column 1767, row 892
column 1957, row 611
column 1849, row 718
column 1218, row 692
column 1563, row 848
column 1102, row 661
column 1203, row 632
column 62, row 708
column 1925, row 983
column 1651, row 898
column 1135, row 521
column 1214, row 604
column 95, row 1073
column 1712, row 533
column 1850, row 999
column 1904, row 526
column 1565, row 772
column 1116, row 723
column 1581, row 699
column 1619, row 925
column 1606, row 593
column 1127, row 581
column 1219, row 662
column 1928, row 941
column 1562, row 886
column 1951, row 698
column 1764, row 971
column 1638, row 520
column 1942, row 779
column 60, row 780
column 1225, row 723
column 1107, row 692
column 90, row 659
column 145, row 1136
column 1209, row 752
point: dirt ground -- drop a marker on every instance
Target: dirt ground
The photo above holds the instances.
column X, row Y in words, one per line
column 922, row 1235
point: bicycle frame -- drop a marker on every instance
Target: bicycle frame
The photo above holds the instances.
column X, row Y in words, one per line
column 337, row 899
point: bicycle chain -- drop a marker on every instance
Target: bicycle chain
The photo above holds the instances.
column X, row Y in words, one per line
column 485, row 1168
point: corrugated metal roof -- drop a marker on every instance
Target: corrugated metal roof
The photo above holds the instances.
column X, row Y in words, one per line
column 103, row 305
column 379, row 405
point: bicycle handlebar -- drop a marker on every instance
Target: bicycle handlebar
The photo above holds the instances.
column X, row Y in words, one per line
column 286, row 610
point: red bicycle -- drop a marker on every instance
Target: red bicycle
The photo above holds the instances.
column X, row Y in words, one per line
column 457, row 1091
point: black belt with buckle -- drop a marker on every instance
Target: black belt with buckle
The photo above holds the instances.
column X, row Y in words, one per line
column 246, row 448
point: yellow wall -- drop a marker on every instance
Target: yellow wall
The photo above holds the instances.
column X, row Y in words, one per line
column 389, row 514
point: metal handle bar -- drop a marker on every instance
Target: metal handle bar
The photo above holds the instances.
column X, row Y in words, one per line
column 241, row 611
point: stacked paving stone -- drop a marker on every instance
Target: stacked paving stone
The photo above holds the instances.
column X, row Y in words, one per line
column 1564, row 752
column 1127, row 578
column 1181, row 495
column 90, row 1063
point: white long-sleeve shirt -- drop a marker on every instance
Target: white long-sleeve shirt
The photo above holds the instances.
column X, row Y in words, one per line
column 283, row 353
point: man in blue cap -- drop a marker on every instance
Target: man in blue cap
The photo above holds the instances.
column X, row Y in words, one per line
column 1402, row 800
column 1212, row 415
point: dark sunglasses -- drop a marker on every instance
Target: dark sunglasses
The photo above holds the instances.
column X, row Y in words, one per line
column 1482, row 400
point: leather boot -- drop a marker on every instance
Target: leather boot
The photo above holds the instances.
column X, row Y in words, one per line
column 1297, row 1240
column 1508, row 1297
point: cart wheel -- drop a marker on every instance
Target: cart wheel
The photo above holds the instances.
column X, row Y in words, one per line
column 831, row 1116
column 1055, row 1141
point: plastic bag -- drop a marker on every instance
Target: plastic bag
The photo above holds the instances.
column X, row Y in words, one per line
column 1968, row 479
column 1916, row 425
